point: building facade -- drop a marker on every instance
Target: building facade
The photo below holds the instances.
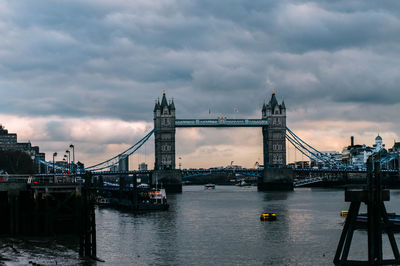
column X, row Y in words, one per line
column 9, row 142
column 357, row 155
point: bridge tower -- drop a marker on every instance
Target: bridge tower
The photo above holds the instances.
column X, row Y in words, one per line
column 164, row 139
column 276, row 176
column 274, row 135
column 164, row 123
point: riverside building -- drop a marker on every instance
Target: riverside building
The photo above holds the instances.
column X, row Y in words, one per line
column 8, row 142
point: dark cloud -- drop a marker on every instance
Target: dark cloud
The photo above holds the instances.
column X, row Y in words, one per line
column 334, row 60
column 57, row 131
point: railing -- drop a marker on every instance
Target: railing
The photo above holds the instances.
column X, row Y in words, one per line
column 344, row 170
column 38, row 179
column 307, row 181
column 14, row 178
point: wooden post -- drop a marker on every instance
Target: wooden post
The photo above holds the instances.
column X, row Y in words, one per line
column 121, row 186
column 87, row 241
column 93, row 231
column 347, row 233
column 36, row 213
column 151, row 179
column 11, row 201
column 135, row 193
column 81, row 219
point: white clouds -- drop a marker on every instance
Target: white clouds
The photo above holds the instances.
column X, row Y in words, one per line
column 93, row 138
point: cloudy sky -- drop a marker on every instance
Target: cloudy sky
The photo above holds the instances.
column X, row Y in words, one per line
column 88, row 73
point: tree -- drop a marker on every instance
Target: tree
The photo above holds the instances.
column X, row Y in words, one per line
column 16, row 162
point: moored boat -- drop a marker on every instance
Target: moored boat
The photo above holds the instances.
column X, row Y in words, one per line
column 394, row 221
column 143, row 198
column 209, row 186
column 243, row 184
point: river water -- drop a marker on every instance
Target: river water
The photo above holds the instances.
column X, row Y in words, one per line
column 220, row 227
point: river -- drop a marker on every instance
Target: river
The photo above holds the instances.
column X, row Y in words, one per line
column 219, row 227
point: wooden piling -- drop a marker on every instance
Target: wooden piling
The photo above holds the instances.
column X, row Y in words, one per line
column 135, row 193
column 87, row 242
column 11, row 202
column 374, row 196
column 49, row 209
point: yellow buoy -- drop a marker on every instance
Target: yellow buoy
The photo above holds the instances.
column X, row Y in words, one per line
column 268, row 216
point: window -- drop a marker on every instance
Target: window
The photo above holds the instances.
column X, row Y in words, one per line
column 166, row 147
column 165, row 136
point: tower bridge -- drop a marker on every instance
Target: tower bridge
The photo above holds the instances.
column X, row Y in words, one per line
column 272, row 124
column 274, row 176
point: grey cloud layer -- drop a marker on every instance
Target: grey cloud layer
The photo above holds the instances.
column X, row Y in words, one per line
column 113, row 58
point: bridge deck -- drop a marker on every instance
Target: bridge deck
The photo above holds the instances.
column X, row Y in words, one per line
column 220, row 122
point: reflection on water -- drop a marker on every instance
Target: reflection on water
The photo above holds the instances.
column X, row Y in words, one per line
column 46, row 251
column 220, row 226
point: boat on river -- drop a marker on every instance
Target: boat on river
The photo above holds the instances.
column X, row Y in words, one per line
column 209, row 186
column 143, row 198
column 394, row 221
column 103, row 202
column 243, row 183
column 151, row 199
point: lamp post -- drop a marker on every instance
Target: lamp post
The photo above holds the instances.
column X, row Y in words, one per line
column 54, row 167
column 73, row 157
column 69, row 159
column 66, row 161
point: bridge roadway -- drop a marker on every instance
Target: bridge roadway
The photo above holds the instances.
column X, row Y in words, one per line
column 220, row 122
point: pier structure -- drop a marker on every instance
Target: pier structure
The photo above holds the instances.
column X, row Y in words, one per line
column 376, row 224
column 273, row 124
column 37, row 206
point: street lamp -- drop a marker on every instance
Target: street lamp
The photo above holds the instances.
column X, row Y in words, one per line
column 54, row 167
column 69, row 158
column 73, row 157
column 65, row 159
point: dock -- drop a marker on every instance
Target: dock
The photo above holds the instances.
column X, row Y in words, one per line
column 48, row 206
